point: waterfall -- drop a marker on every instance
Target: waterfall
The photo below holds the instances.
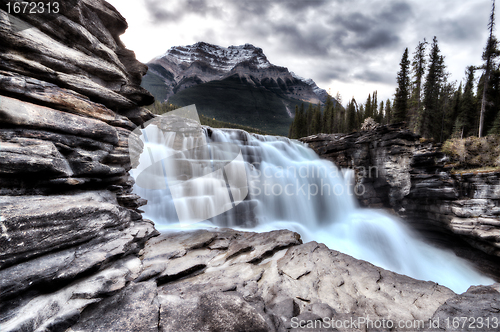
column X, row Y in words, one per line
column 290, row 187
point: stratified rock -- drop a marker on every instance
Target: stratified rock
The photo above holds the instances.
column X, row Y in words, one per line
column 59, row 310
column 34, row 225
column 70, row 228
column 25, row 155
column 55, row 97
column 18, row 113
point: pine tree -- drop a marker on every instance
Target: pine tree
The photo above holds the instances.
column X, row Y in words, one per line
column 309, row 117
column 360, row 114
column 467, row 107
column 495, row 129
column 403, row 90
column 493, row 107
column 351, row 116
column 431, row 113
column 418, row 71
column 374, row 105
column 446, row 111
column 316, row 120
column 338, row 115
column 302, row 123
column 292, row 133
column 490, row 53
column 298, row 128
column 368, row 107
column 388, row 111
column 380, row 113
column 328, row 115
column 457, row 101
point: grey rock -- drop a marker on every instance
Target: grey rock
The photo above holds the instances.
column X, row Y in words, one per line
column 135, row 308
column 51, row 269
column 30, row 156
column 62, row 308
column 227, row 312
column 34, row 225
column 58, row 98
column 475, row 310
column 302, row 279
column 18, row 113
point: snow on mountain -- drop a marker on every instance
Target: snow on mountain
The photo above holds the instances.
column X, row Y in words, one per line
column 321, row 93
column 182, row 67
column 220, row 58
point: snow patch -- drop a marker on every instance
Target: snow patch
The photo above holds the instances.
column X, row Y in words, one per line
column 220, row 58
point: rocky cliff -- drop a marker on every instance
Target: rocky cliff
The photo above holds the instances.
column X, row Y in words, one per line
column 398, row 170
column 70, row 229
column 75, row 253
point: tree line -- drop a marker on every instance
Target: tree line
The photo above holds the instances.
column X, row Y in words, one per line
column 425, row 100
column 332, row 117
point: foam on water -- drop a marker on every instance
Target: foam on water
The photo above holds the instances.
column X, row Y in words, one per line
column 290, row 187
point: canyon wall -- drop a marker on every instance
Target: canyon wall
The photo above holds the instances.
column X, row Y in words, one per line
column 398, row 170
column 71, row 227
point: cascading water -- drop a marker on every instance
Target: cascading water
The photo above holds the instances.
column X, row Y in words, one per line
column 290, row 187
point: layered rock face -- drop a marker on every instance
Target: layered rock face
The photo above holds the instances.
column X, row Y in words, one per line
column 396, row 170
column 70, row 229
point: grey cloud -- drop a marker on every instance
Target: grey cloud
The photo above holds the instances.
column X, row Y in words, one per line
column 334, row 39
column 328, row 71
column 313, row 41
column 298, row 5
column 374, row 76
column 375, row 39
column 396, row 12
column 355, row 22
column 160, row 14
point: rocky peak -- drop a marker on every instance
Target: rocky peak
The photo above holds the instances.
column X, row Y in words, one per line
column 218, row 57
column 183, row 67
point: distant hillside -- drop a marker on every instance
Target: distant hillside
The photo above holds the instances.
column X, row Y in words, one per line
column 235, row 84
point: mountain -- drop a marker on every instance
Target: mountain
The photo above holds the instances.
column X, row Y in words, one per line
column 236, row 84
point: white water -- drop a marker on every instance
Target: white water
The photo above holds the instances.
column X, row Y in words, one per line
column 290, row 187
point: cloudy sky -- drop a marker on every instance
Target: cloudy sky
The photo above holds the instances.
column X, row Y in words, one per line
column 350, row 46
